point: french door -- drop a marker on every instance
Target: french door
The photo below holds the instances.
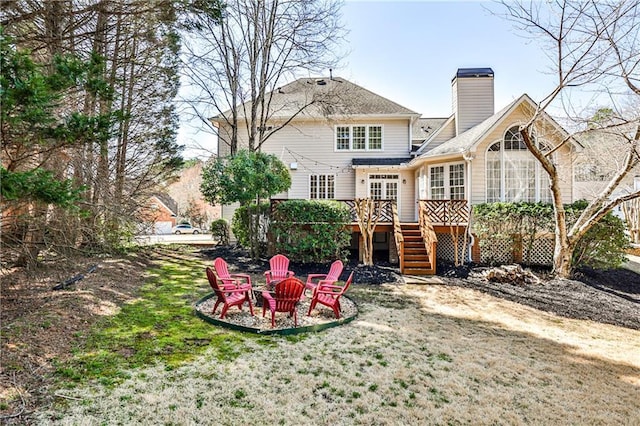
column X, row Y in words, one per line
column 384, row 187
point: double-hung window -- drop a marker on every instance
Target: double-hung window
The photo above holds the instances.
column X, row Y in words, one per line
column 359, row 138
column 446, row 182
column 322, row 187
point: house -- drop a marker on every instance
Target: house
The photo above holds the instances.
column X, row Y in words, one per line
column 189, row 202
column 352, row 143
column 158, row 215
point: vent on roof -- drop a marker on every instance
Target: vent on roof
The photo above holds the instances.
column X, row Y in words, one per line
column 321, row 82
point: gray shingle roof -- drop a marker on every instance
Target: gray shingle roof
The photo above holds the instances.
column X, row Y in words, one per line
column 466, row 140
column 169, row 202
column 423, row 128
column 325, row 97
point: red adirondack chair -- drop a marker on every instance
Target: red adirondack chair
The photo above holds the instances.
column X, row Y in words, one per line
column 286, row 298
column 230, row 280
column 329, row 295
column 279, row 269
column 314, row 280
column 227, row 296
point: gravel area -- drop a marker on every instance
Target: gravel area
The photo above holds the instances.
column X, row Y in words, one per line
column 320, row 315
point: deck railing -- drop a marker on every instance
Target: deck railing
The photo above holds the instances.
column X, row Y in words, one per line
column 426, row 230
column 439, row 212
column 397, row 233
column 446, row 212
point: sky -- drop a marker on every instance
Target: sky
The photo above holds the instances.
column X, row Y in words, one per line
column 408, row 52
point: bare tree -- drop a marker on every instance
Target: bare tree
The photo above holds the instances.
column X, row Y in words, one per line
column 237, row 61
column 592, row 46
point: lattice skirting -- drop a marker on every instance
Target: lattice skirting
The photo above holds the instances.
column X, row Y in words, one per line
column 508, row 250
column 445, row 248
column 499, row 251
column 541, row 251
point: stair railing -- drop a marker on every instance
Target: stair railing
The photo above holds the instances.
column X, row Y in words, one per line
column 397, row 233
column 428, row 233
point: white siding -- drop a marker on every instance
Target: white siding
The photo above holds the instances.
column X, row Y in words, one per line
column 478, row 166
column 311, row 145
column 406, row 189
column 473, row 101
column 444, row 134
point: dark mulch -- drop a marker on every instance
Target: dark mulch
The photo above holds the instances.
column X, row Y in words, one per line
column 610, row 297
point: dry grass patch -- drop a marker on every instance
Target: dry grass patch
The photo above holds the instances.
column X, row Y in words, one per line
column 415, row 355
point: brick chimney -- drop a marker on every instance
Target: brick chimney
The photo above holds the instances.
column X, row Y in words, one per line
column 473, row 100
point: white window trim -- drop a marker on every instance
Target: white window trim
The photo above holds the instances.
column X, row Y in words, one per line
column 538, row 168
column 351, row 149
column 399, row 186
column 447, row 186
column 335, row 178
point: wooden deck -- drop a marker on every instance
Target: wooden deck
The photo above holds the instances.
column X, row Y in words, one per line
column 416, row 242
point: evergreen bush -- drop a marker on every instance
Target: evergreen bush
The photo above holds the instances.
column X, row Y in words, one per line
column 220, row 231
column 603, row 246
column 241, row 225
column 311, row 231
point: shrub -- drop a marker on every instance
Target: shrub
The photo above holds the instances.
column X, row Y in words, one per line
column 241, row 225
column 603, row 246
column 494, row 223
column 311, row 231
column 220, row 231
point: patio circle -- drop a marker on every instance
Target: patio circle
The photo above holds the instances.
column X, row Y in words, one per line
column 320, row 326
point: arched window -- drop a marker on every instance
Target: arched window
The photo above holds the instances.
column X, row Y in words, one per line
column 513, row 173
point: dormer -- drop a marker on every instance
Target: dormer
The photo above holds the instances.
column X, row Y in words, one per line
column 473, row 97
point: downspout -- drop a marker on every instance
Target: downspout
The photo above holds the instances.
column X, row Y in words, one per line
column 411, row 121
column 468, row 158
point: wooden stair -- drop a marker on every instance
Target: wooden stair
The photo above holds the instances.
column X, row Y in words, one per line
column 416, row 259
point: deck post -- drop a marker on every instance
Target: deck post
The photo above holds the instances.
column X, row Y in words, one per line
column 393, row 251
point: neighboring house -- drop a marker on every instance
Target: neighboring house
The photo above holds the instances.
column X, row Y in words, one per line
column 353, row 143
column 188, row 198
column 605, row 150
column 158, row 215
column 606, row 146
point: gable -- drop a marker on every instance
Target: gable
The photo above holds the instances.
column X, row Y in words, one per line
column 523, row 108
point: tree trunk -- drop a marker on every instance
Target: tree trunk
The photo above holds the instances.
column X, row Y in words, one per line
column 562, row 258
column 368, row 218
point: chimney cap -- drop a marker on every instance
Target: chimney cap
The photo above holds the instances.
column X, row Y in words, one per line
column 474, row 72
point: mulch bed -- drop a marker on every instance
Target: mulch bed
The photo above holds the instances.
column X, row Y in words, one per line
column 239, row 261
column 609, row 297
